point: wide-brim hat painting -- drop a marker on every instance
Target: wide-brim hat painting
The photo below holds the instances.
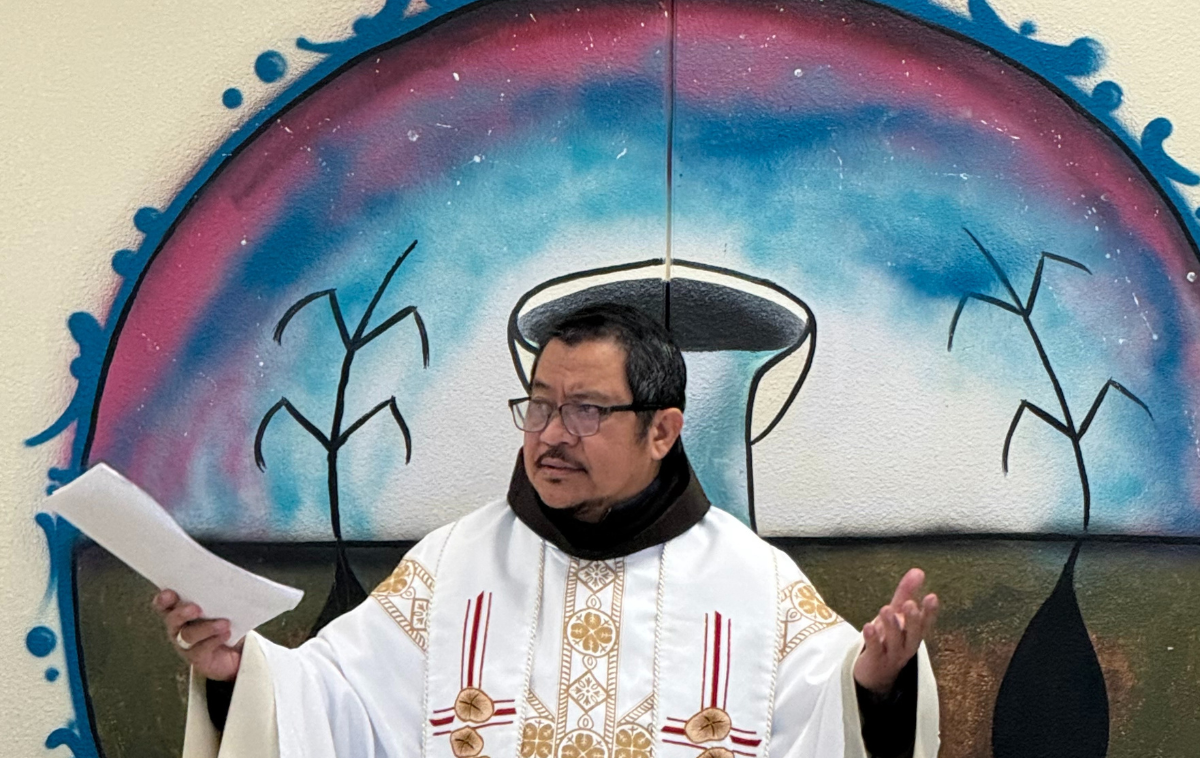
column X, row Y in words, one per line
column 706, row 309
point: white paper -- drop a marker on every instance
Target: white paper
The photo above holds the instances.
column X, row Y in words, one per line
column 131, row 525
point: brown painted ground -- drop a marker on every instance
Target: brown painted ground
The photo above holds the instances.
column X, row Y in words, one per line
column 1140, row 603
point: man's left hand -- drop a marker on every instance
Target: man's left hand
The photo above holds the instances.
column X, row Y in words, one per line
column 893, row 637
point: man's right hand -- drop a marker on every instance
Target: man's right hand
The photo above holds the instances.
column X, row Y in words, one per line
column 199, row 641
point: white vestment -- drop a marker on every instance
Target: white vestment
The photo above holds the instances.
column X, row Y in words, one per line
column 488, row 641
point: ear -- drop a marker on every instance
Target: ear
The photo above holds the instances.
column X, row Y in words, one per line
column 664, row 430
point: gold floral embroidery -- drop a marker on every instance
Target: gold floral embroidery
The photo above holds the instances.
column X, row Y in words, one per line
column 716, row 752
column 406, row 573
column 806, row 600
column 537, row 739
column 588, row 691
column 804, row 614
column 585, row 718
column 582, row 743
column 592, row 632
column 633, row 741
column 405, row 595
column 596, row 575
column 398, row 581
column 420, row 614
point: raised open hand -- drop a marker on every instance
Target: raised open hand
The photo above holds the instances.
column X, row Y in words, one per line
column 893, row 637
column 199, row 641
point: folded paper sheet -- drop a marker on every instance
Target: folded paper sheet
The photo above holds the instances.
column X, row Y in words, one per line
column 131, row 525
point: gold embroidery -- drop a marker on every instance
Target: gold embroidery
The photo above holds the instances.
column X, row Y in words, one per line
column 804, row 614
column 716, row 752
column 639, row 710
column 405, row 596
column 585, row 723
column 539, row 707
column 399, row 580
column 403, row 576
column 592, row 632
column 806, row 600
column 582, row 743
column 537, row 739
column 633, row 741
column 596, row 575
column 564, row 674
column 585, row 719
column 587, row 691
column 614, row 657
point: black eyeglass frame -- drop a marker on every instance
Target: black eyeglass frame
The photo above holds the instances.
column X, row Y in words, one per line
column 604, row 410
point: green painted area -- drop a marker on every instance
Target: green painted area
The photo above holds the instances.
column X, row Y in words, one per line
column 1139, row 601
column 138, row 685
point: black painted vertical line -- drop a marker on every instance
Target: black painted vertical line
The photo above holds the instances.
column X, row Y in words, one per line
column 671, row 8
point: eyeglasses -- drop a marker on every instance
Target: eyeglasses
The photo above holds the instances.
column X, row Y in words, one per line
column 579, row 419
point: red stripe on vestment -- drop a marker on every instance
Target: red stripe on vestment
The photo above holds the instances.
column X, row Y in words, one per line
column 486, row 626
column 728, row 663
column 716, row 657
column 474, row 641
column 704, row 668
column 743, row 741
column 462, row 653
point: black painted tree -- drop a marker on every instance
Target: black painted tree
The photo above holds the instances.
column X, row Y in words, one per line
column 1052, row 701
column 347, row 591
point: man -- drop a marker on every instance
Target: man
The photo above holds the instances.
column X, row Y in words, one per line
column 603, row 610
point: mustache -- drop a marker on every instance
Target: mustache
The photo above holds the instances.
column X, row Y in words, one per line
column 558, row 453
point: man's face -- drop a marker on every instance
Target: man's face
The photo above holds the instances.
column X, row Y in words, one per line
column 595, row 471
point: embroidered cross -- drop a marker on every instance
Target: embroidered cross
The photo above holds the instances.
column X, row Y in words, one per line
column 473, row 708
column 712, row 723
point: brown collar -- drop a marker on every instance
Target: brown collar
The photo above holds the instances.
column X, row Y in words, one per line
column 670, row 506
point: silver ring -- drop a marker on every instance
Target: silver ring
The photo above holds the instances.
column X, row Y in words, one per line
column 181, row 642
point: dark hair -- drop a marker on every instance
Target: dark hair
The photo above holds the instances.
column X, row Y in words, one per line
column 654, row 366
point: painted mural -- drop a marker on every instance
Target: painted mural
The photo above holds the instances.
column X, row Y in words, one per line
column 928, row 290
